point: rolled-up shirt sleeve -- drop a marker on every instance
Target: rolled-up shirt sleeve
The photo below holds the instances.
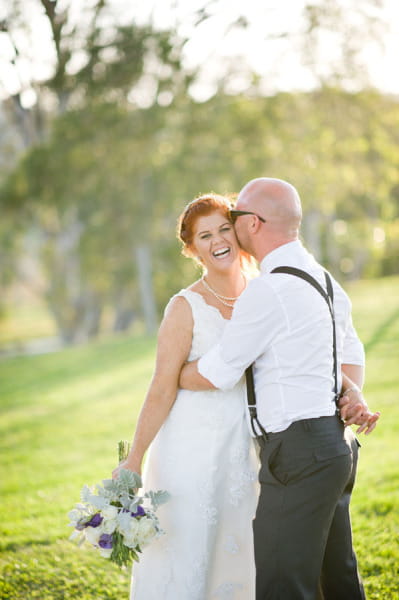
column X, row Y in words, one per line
column 217, row 370
column 353, row 349
column 257, row 318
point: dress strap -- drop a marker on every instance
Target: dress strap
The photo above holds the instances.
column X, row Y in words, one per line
column 192, row 298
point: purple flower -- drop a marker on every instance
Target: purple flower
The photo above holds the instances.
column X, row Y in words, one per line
column 140, row 512
column 95, row 521
column 105, row 540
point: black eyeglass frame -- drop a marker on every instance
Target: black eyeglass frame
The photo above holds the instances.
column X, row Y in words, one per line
column 237, row 213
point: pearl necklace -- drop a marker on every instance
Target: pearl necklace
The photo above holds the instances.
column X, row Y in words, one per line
column 221, row 298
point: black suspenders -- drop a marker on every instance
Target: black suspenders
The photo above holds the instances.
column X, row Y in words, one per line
column 329, row 298
column 251, row 399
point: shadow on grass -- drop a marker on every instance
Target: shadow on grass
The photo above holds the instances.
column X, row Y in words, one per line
column 53, row 370
column 381, row 331
column 15, row 547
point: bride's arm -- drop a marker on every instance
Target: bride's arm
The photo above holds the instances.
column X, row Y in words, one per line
column 173, row 348
column 353, row 406
column 352, row 375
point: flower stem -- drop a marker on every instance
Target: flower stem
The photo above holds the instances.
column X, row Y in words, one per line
column 123, row 449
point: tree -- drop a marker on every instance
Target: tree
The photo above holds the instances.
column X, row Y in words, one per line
column 98, row 60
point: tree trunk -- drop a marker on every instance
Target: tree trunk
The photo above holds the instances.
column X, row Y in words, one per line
column 143, row 260
column 124, row 313
column 73, row 302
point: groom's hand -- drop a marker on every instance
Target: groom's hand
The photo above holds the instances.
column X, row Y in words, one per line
column 354, row 411
column 190, row 379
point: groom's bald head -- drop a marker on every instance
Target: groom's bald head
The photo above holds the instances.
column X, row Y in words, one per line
column 277, row 202
column 275, row 199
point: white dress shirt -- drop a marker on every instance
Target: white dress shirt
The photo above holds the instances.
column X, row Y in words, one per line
column 283, row 325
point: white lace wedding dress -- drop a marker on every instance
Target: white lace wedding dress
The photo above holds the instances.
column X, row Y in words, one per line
column 204, row 457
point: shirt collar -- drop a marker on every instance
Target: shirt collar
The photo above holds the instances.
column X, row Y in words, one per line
column 283, row 255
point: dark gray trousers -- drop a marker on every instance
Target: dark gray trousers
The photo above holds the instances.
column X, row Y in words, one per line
column 302, row 530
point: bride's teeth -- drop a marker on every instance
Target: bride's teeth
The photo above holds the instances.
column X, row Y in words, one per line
column 221, row 252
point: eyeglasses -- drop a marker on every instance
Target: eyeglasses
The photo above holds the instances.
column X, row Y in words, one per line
column 237, row 213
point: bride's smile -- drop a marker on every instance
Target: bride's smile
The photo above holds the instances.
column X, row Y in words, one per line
column 215, row 242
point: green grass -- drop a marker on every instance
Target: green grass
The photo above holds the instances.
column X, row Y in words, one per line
column 61, row 417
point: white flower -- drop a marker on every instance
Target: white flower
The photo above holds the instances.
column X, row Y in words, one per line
column 125, row 522
column 93, row 534
column 106, row 552
column 109, row 525
column 109, row 512
column 130, row 533
column 75, row 516
column 147, row 531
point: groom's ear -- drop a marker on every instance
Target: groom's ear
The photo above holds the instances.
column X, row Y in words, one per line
column 254, row 225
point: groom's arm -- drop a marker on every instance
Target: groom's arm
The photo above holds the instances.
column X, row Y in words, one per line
column 191, row 379
column 245, row 337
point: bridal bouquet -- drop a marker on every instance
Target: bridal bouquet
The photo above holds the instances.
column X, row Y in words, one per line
column 113, row 518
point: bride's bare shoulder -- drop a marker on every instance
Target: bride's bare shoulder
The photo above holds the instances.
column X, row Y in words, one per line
column 178, row 308
column 177, row 325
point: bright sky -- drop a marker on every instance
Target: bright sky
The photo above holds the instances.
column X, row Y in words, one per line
column 278, row 61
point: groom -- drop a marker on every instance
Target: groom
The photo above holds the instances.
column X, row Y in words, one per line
column 302, row 530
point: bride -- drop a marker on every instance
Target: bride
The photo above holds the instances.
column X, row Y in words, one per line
column 200, row 449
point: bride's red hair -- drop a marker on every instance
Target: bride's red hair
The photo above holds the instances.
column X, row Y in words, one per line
column 202, row 206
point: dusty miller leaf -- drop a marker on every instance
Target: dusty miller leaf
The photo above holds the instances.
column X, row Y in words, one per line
column 85, row 493
column 158, row 498
column 99, row 502
column 128, row 480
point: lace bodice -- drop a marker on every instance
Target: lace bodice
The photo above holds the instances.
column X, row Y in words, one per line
column 208, row 323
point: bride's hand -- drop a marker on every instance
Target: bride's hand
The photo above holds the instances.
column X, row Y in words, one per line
column 354, row 411
column 126, row 464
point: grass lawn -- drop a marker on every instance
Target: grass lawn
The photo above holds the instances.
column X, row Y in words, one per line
column 63, row 414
